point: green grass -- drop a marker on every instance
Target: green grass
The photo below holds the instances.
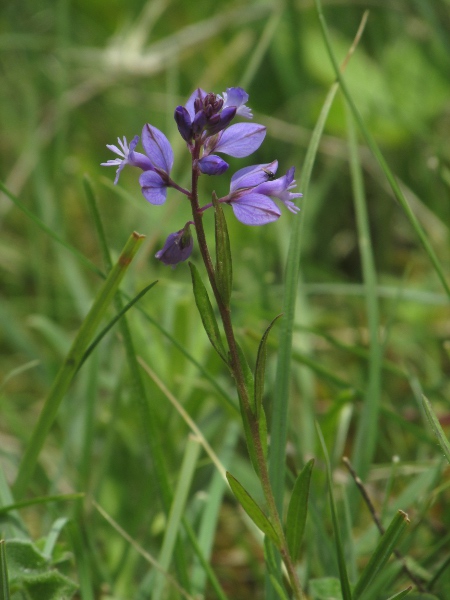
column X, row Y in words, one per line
column 362, row 276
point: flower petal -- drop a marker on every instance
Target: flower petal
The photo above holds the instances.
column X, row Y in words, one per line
column 198, row 93
column 255, row 209
column 238, row 140
column 153, row 187
column 253, row 176
column 157, row 148
column 236, row 96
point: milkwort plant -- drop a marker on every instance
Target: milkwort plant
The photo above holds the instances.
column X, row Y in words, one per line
column 205, row 124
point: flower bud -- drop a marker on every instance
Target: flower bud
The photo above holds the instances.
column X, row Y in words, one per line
column 178, row 247
column 212, row 165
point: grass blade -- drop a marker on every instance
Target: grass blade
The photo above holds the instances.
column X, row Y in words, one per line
column 71, row 363
column 280, row 406
column 367, row 431
column 177, row 509
column 382, row 552
column 436, row 427
column 50, row 231
column 380, row 158
column 345, row 584
column 4, row 584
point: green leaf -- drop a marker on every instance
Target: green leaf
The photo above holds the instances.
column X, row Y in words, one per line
column 252, row 509
column 382, row 552
column 31, row 574
column 436, row 427
column 4, row 583
column 224, row 267
column 206, row 312
column 297, row 511
column 260, row 368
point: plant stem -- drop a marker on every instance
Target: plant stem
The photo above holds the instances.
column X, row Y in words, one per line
column 236, row 370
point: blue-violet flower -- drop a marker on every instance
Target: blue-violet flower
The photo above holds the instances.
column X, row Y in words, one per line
column 251, row 190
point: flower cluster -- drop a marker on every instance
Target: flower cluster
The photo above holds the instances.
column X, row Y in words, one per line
column 205, row 125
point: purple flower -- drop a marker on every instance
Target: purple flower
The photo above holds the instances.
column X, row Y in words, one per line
column 251, row 190
column 127, row 156
column 178, row 246
column 154, row 182
column 156, row 162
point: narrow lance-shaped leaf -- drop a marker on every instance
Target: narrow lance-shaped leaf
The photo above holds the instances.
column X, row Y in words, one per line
column 298, row 509
column 224, row 268
column 260, row 368
column 206, row 312
column 405, row 592
column 252, row 509
column 382, row 552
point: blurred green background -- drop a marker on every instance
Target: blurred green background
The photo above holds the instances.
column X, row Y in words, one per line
column 77, row 75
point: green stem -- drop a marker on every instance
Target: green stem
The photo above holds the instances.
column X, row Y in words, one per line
column 236, row 370
column 71, row 364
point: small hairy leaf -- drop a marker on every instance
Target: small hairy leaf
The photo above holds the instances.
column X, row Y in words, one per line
column 298, row 509
column 31, row 574
column 252, row 509
column 206, row 312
